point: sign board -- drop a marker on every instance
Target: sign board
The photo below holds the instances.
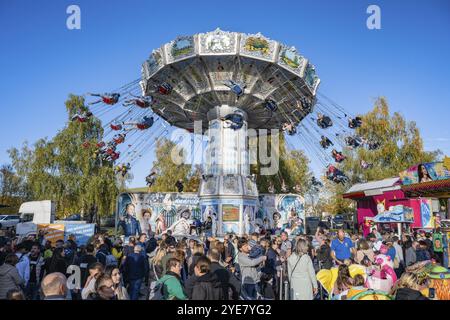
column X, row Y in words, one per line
column 82, row 232
column 396, row 214
column 426, row 214
column 52, row 232
column 230, row 212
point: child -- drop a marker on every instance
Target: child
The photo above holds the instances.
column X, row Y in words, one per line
column 358, row 286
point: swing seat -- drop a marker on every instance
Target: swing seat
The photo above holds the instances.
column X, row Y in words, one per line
column 116, row 127
column 270, row 105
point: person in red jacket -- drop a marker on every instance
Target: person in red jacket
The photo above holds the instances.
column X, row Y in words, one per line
column 107, row 98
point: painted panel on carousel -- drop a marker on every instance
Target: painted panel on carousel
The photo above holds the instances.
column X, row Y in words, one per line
column 250, row 187
column 425, row 172
column 230, row 227
column 258, row 46
column 218, row 42
column 181, row 48
column 291, row 60
column 311, row 78
column 162, row 206
column 210, row 187
column 231, row 185
column 153, row 64
column 210, row 210
column 289, row 204
column 230, row 212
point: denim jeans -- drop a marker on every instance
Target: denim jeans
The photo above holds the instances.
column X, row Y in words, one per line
column 134, row 289
column 32, row 291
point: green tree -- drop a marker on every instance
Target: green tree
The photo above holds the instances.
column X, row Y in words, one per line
column 62, row 170
column 168, row 172
column 293, row 169
column 12, row 189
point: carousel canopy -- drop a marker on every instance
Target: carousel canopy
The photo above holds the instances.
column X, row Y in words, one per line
column 201, row 69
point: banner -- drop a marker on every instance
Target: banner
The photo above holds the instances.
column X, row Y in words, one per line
column 437, row 242
column 52, row 232
column 426, row 214
column 425, row 172
column 396, row 214
column 82, row 232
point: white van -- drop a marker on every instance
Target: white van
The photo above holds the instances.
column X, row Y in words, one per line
column 33, row 213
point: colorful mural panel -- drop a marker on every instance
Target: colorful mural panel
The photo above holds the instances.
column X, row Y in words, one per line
column 425, row 172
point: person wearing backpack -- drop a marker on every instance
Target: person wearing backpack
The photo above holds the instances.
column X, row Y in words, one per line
column 206, row 284
column 135, row 269
column 105, row 257
column 169, row 287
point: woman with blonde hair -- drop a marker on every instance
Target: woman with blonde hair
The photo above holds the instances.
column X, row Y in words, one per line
column 301, row 274
column 408, row 287
column 156, row 267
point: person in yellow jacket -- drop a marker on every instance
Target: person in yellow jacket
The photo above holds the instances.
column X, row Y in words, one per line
column 117, row 251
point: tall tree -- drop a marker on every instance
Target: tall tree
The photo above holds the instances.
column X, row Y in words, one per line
column 168, row 172
column 293, row 169
column 61, row 169
column 12, row 189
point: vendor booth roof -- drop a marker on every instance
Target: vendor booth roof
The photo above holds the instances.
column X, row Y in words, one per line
column 372, row 188
column 435, row 188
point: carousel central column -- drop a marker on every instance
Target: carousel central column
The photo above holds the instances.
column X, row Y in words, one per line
column 228, row 194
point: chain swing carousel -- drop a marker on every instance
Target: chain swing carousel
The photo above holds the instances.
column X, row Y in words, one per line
column 231, row 82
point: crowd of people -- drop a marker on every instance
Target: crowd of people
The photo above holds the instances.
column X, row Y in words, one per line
column 268, row 265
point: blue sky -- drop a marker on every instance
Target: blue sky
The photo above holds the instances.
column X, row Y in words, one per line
column 41, row 61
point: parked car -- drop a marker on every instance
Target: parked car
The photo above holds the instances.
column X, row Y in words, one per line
column 9, row 221
column 73, row 217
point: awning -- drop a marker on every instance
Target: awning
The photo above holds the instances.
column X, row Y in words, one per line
column 372, row 188
column 396, row 214
column 436, row 188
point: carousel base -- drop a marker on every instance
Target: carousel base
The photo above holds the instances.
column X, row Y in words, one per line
column 231, row 201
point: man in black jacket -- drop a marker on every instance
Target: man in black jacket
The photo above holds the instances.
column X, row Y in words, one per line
column 204, row 285
column 230, row 285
